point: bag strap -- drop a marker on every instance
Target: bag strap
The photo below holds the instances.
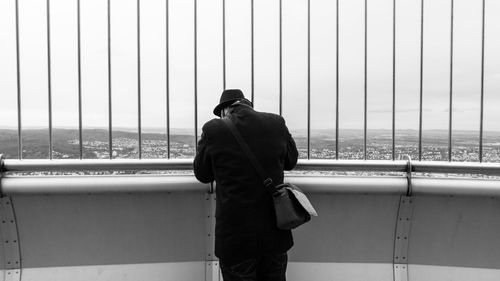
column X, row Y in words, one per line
column 267, row 181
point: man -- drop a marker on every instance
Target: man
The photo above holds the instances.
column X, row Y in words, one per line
column 247, row 241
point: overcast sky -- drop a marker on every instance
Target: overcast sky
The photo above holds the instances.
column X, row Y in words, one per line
column 436, row 78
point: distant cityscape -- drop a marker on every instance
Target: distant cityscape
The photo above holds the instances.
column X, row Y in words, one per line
column 95, row 145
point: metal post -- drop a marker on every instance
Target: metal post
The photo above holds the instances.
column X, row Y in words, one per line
column 281, row 59
column 223, row 44
column 450, row 127
column 366, row 82
column 393, row 80
column 337, row 89
column 196, row 74
column 139, row 127
column 2, row 168
column 421, row 80
column 308, row 79
column 110, row 125
column 482, row 90
column 252, row 48
column 80, row 137
column 167, row 63
column 18, row 72
column 49, row 80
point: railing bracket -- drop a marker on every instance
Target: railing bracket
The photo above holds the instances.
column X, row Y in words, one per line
column 10, row 241
column 211, row 261
column 2, row 169
column 402, row 237
column 409, row 170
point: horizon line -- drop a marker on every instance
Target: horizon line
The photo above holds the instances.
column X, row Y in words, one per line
column 134, row 129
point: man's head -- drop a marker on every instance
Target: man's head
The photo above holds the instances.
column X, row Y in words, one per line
column 228, row 98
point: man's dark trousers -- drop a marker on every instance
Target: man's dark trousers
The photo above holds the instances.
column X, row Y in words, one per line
column 263, row 268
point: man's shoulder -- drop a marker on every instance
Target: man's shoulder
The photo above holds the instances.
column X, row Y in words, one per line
column 272, row 116
column 212, row 125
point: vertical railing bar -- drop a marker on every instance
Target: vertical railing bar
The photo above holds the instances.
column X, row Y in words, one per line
column 167, row 70
column 110, row 120
column 308, row 79
column 223, row 44
column 139, row 113
column 393, row 80
column 80, row 137
column 49, row 79
column 281, row 58
column 252, row 47
column 365, row 82
column 421, row 79
column 337, row 87
column 450, row 125
column 196, row 74
column 482, row 88
column 18, row 72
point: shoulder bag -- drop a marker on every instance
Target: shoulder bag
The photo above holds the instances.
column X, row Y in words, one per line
column 291, row 205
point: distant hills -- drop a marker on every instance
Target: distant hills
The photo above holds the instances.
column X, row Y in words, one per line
column 65, row 141
column 36, row 141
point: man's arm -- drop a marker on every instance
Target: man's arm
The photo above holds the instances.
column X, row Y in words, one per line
column 202, row 164
column 291, row 154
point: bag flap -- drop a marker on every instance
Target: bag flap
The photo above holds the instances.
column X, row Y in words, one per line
column 301, row 197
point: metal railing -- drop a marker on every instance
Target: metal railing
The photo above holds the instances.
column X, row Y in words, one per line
column 302, row 165
column 168, row 117
column 13, row 181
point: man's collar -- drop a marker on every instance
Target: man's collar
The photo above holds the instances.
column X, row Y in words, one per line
column 239, row 106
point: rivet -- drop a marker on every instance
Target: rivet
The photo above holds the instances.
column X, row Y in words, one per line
column 15, row 241
column 11, row 221
column 404, row 258
column 3, row 221
column 6, row 241
column 406, row 238
column 404, row 201
column 398, row 237
column 407, row 219
column 8, row 203
column 8, row 262
column 397, row 258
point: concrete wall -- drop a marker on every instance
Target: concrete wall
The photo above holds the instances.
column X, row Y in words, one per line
column 166, row 236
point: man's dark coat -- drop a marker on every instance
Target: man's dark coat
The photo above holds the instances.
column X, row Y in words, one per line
column 245, row 219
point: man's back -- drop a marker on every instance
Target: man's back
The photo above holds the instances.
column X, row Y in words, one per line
column 246, row 224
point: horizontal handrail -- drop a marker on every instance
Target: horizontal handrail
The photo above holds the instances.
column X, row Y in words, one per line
column 14, row 185
column 302, row 165
column 101, row 184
